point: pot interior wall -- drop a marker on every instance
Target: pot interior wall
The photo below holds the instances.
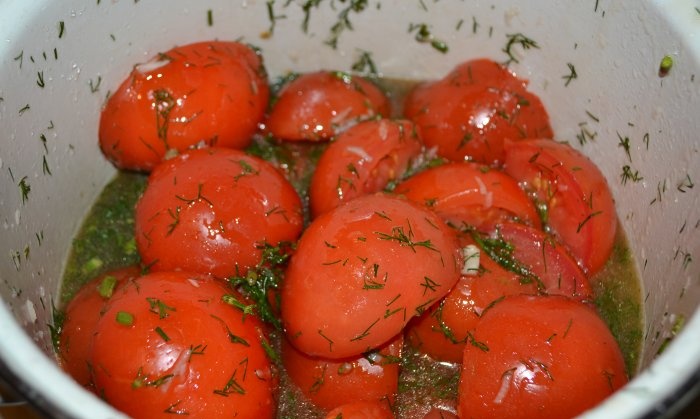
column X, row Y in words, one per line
column 58, row 62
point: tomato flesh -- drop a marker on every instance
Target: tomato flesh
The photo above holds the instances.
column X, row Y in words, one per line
column 580, row 207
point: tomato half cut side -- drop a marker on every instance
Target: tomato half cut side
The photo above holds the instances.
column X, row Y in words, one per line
column 185, row 97
column 361, row 271
column 471, row 195
column 538, row 258
column 316, row 106
column 80, row 321
column 329, row 383
column 469, row 113
column 362, row 160
column 211, row 210
column 170, row 345
column 580, row 209
column 539, row 357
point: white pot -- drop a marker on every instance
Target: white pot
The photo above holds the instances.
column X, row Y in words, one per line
column 80, row 50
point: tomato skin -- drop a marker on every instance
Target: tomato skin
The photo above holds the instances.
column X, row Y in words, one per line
column 80, row 320
column 567, row 362
column 580, row 207
column 330, row 383
column 362, row 160
column 469, row 112
column 556, row 271
column 462, row 308
column 378, row 260
column 182, row 97
column 361, row 410
column 208, row 210
column 468, row 193
column 316, row 106
column 185, row 352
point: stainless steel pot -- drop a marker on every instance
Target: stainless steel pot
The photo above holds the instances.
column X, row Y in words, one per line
column 58, row 61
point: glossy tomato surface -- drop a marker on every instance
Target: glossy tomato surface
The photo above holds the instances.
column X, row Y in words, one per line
column 361, row 271
column 213, row 93
column 80, row 322
column 448, row 326
column 470, row 195
column 210, row 210
column 362, row 160
column 539, row 357
column 468, row 114
column 169, row 345
column 580, row 209
column 329, row 383
column 316, row 106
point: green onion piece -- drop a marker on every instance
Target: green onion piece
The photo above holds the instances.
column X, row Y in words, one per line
column 106, row 287
column 125, row 318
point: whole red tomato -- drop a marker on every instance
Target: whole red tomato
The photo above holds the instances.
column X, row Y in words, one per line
column 80, row 321
column 361, row 271
column 470, row 112
column 211, row 210
column 212, row 93
column 539, row 357
column 316, row 106
column 169, row 345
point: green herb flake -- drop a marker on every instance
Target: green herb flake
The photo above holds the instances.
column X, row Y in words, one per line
column 665, row 66
column 159, row 307
column 106, row 286
column 61, row 29
column 125, row 318
column 210, row 18
column 24, row 189
column 162, row 334
column 571, row 76
column 513, row 40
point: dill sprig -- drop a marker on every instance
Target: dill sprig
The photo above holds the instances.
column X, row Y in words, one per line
column 266, row 276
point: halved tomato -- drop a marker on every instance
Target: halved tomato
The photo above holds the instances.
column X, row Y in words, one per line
column 580, row 210
column 316, row 106
column 362, row 160
column 468, row 194
column 329, row 383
